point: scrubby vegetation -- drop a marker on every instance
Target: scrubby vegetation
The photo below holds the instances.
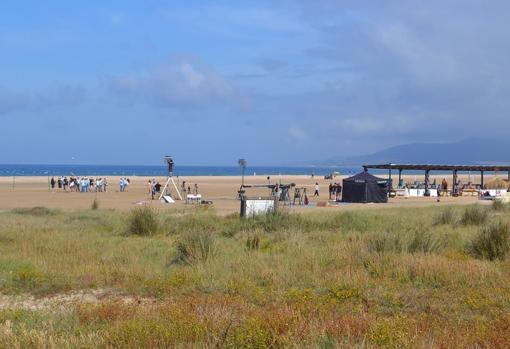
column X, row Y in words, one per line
column 475, row 215
column 401, row 278
column 492, row 243
column 142, row 221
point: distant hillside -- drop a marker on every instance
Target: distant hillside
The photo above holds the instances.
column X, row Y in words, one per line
column 470, row 152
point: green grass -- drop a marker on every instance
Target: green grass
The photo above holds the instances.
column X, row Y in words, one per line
column 374, row 278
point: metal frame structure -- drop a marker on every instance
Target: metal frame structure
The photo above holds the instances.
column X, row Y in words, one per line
column 430, row 167
column 170, row 178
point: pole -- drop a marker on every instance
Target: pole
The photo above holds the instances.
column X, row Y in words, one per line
column 454, row 187
column 481, row 183
column 242, row 180
column 399, row 176
column 427, row 191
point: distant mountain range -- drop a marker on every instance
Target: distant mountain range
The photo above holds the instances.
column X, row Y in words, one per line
column 470, row 152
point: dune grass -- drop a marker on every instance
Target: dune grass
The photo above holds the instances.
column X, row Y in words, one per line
column 388, row 278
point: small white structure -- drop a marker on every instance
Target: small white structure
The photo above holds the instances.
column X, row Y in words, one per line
column 494, row 194
column 167, row 199
column 421, row 192
column 255, row 206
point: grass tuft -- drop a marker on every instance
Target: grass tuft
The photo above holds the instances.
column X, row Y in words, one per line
column 34, row 211
column 492, row 243
column 195, row 247
column 446, row 217
column 413, row 242
column 474, row 215
column 498, row 205
column 142, row 221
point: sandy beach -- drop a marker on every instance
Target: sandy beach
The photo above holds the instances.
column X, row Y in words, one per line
column 221, row 190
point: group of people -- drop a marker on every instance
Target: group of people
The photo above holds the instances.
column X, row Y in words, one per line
column 335, row 191
column 79, row 184
column 86, row 184
column 123, row 183
column 187, row 190
column 154, row 187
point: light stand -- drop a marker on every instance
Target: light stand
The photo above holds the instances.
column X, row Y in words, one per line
column 242, row 164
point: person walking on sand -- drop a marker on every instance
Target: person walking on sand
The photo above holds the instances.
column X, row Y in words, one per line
column 317, row 188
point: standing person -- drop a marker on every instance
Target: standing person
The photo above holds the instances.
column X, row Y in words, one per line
column 196, row 189
column 52, row 182
column 317, row 188
column 59, row 182
column 150, row 188
column 331, row 190
column 105, row 183
column 65, row 183
column 444, row 184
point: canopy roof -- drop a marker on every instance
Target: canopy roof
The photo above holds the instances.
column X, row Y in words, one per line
column 430, row 167
column 365, row 177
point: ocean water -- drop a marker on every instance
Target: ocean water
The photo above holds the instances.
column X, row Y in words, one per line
column 119, row 170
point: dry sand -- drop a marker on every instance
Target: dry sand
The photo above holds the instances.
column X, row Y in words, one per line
column 33, row 191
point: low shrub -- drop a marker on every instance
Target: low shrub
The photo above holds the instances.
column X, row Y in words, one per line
column 414, row 242
column 474, row 215
column 498, row 205
column 252, row 243
column 492, row 243
column 424, row 242
column 142, row 221
column 447, row 216
column 195, row 247
column 34, row 211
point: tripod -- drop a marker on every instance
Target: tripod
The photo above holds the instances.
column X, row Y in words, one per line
column 169, row 180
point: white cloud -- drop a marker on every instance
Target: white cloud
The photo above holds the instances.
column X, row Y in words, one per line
column 185, row 83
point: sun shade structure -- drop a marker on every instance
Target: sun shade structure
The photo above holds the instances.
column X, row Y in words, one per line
column 430, row 167
column 365, row 188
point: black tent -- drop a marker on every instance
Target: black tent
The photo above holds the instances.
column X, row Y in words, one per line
column 365, row 187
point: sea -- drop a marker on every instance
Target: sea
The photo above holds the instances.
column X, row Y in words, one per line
column 158, row 171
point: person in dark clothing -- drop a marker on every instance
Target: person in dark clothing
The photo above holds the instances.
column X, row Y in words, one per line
column 330, row 190
column 52, row 182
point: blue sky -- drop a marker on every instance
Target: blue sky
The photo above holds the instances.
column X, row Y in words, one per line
column 125, row 82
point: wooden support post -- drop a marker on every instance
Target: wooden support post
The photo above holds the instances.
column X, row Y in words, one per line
column 454, row 187
column 399, row 176
column 389, row 177
column 481, row 183
column 427, row 181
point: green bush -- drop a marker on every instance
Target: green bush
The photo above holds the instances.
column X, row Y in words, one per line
column 34, row 211
column 474, row 215
column 498, row 205
column 424, row 242
column 252, row 243
column 447, row 216
column 413, row 242
column 142, row 221
column 492, row 243
column 195, row 247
